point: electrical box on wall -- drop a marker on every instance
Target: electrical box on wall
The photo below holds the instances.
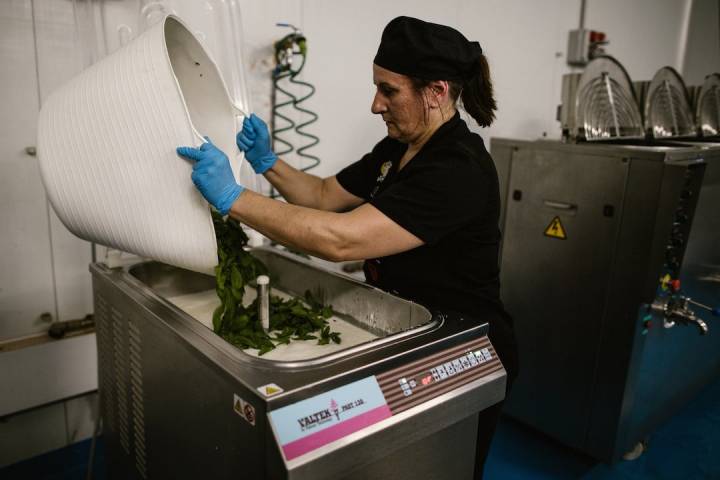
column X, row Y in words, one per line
column 584, row 45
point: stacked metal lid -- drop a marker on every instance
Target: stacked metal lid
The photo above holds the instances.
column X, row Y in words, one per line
column 707, row 107
column 603, row 104
column 667, row 110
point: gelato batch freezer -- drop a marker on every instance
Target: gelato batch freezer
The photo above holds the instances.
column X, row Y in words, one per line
column 608, row 251
column 398, row 398
column 610, row 263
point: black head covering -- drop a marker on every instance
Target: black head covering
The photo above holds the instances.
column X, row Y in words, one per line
column 427, row 50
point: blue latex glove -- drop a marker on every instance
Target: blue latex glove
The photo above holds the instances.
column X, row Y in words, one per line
column 212, row 175
column 254, row 140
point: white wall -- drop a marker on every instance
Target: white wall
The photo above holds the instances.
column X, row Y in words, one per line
column 525, row 42
column 43, row 268
column 702, row 55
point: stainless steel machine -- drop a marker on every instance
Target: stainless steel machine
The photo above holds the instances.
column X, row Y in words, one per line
column 180, row 402
column 611, row 263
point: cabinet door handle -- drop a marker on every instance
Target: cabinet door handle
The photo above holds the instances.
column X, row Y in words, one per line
column 559, row 205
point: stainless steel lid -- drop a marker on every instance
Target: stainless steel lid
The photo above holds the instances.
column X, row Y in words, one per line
column 606, row 107
column 707, row 110
column 667, row 106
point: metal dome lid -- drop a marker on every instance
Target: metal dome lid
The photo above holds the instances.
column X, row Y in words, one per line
column 606, row 107
column 707, row 111
column 667, row 108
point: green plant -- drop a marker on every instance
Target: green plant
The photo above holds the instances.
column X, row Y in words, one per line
column 240, row 325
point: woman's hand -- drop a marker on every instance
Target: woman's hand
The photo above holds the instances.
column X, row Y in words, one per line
column 212, row 175
column 254, row 140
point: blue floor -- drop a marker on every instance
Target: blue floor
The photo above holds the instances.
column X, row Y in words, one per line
column 687, row 447
column 69, row 463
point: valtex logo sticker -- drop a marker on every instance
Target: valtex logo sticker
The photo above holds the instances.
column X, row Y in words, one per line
column 325, row 415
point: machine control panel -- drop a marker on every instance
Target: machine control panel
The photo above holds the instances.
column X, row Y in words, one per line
column 444, row 370
column 670, row 302
column 419, row 381
column 682, row 220
column 313, row 422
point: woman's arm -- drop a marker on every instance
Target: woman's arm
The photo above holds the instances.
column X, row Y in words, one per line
column 306, row 190
column 362, row 233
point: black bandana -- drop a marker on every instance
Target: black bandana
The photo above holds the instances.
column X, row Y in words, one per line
column 428, row 51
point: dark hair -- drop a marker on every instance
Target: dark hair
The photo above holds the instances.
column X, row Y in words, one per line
column 476, row 93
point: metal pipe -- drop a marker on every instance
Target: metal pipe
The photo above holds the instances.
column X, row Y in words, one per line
column 263, row 301
column 714, row 310
column 582, row 14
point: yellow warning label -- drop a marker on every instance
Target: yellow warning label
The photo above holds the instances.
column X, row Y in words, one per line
column 238, row 406
column 556, row 229
column 270, row 389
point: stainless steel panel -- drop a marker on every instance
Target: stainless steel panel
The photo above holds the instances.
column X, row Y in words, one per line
column 185, row 400
column 446, row 454
column 538, row 273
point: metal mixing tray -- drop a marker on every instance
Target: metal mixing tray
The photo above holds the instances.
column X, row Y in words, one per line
column 362, row 313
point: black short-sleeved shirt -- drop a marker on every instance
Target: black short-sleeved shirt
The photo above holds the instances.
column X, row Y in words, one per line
column 447, row 196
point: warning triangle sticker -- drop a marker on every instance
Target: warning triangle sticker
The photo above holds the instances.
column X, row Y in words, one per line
column 238, row 406
column 556, row 229
column 270, row 389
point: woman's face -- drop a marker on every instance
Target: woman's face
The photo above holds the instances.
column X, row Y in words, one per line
column 402, row 108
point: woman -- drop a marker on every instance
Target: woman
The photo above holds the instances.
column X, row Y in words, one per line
column 421, row 209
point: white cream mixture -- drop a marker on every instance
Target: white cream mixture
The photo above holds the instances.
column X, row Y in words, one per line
column 202, row 305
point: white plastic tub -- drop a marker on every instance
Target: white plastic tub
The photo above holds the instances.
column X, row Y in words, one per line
column 107, row 140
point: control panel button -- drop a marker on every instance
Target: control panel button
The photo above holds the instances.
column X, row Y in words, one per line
column 458, row 366
column 471, row 358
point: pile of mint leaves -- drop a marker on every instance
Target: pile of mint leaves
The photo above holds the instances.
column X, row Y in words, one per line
column 240, row 325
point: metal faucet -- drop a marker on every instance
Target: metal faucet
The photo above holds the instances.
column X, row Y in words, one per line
column 676, row 309
column 685, row 316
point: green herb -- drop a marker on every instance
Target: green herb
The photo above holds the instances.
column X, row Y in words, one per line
column 289, row 319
